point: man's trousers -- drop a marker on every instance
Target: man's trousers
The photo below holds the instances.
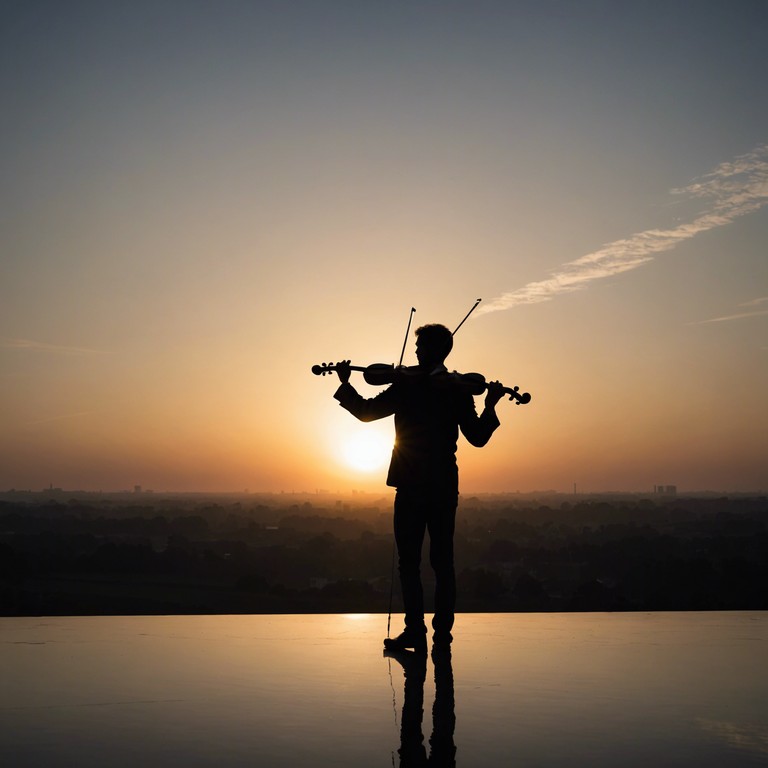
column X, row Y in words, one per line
column 420, row 509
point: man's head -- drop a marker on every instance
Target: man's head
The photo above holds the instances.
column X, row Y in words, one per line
column 433, row 343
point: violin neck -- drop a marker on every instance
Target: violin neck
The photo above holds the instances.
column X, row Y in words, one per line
column 330, row 368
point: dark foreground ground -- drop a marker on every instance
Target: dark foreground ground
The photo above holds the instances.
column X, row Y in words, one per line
column 119, row 555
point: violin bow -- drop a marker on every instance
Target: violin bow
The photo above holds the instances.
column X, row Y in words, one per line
column 405, row 340
column 474, row 307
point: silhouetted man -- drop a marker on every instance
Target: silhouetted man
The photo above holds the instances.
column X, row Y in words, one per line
column 429, row 407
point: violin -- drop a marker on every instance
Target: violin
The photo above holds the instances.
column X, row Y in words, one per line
column 379, row 374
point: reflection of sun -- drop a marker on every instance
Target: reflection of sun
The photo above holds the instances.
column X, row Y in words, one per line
column 366, row 451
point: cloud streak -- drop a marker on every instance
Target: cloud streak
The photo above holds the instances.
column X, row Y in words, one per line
column 755, row 302
column 42, row 346
column 739, row 315
column 733, row 189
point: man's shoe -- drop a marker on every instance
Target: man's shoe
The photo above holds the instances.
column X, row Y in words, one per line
column 409, row 639
column 414, row 664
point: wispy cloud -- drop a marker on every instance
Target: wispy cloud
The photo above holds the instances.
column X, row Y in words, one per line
column 731, row 190
column 725, row 318
column 755, row 302
column 7, row 343
column 738, row 315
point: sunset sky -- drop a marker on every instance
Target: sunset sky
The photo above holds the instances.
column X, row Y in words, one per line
column 201, row 200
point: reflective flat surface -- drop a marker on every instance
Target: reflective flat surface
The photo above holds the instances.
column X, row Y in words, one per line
column 664, row 689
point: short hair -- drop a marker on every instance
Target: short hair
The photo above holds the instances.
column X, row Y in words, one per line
column 437, row 335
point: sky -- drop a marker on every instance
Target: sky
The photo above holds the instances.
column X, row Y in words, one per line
column 201, row 200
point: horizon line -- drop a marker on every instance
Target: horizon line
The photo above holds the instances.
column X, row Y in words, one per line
column 138, row 491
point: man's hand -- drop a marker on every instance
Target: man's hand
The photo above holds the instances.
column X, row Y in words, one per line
column 343, row 370
column 494, row 394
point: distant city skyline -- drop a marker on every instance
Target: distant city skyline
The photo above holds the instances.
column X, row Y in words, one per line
column 657, row 491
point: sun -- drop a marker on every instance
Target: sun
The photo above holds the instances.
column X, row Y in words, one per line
column 366, row 450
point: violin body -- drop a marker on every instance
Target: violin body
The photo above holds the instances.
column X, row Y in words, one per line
column 380, row 374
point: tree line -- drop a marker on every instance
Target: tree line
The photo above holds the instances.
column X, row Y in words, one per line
column 80, row 557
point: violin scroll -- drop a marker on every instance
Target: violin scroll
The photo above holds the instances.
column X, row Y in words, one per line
column 520, row 398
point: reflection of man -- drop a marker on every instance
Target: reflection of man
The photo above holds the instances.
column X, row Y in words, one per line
column 429, row 407
column 442, row 749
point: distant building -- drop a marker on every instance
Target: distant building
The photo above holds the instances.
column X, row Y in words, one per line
column 665, row 490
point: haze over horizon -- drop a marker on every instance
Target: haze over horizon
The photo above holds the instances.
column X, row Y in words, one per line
column 200, row 201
